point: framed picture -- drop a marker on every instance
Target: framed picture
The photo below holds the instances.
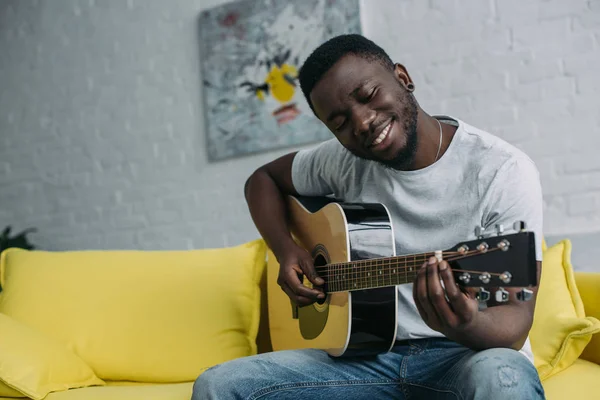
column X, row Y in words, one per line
column 251, row 52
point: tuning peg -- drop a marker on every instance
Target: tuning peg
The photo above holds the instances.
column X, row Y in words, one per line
column 482, row 295
column 499, row 229
column 519, row 226
column 524, row 295
column 505, row 277
column 465, row 277
column 503, row 245
column 483, row 247
column 485, row 277
column 501, row 295
column 479, row 232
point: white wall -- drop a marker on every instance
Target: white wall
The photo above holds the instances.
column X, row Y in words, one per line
column 101, row 122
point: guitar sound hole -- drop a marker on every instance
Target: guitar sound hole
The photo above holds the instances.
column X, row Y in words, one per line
column 319, row 262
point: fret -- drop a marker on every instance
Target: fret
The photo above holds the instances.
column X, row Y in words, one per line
column 390, row 272
column 333, row 278
column 387, row 273
column 359, row 273
column 353, row 271
column 361, row 281
column 366, row 275
column 374, row 273
column 405, row 271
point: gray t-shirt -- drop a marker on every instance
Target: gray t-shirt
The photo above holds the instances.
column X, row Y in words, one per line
column 480, row 180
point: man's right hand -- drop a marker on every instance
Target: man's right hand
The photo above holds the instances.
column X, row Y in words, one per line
column 294, row 264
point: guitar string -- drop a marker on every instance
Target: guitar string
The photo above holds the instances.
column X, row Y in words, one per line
column 394, row 266
column 421, row 257
column 403, row 271
column 401, row 265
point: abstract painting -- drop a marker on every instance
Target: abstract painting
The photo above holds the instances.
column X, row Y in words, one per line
column 251, row 52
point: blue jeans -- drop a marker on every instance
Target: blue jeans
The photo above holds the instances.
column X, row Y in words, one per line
column 416, row 369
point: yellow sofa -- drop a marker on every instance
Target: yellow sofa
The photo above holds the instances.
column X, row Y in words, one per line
column 142, row 325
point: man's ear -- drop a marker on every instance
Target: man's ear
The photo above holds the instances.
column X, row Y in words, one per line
column 402, row 75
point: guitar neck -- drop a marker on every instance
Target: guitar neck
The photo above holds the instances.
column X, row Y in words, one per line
column 373, row 273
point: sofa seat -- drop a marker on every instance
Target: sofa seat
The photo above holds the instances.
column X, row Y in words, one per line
column 125, row 391
column 580, row 381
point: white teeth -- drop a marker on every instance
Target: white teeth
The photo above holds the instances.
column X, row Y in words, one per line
column 382, row 135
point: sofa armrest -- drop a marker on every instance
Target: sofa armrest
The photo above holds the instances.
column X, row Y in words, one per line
column 588, row 284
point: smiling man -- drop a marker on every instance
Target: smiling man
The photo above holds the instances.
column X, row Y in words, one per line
column 439, row 177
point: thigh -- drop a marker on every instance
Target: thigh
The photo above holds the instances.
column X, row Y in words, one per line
column 495, row 374
column 442, row 369
column 306, row 374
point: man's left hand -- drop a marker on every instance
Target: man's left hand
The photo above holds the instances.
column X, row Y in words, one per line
column 450, row 316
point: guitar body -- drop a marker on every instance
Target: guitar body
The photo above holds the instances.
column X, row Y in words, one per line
column 352, row 246
column 359, row 322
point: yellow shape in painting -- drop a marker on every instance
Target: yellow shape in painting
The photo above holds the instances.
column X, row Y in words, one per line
column 281, row 88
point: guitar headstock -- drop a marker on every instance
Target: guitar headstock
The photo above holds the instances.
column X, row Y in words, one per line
column 496, row 261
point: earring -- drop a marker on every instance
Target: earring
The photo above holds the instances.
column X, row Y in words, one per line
column 410, row 87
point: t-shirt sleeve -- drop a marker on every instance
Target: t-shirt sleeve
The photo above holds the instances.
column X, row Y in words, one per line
column 315, row 171
column 516, row 195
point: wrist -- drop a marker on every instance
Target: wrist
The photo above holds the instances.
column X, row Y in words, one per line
column 282, row 246
column 468, row 333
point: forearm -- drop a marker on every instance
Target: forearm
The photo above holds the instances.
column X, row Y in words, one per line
column 501, row 326
column 268, row 211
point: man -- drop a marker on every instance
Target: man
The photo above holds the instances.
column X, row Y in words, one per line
column 439, row 178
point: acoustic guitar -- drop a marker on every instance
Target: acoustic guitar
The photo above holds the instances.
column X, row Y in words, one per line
column 353, row 249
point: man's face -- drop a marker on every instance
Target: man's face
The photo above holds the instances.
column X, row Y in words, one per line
column 369, row 110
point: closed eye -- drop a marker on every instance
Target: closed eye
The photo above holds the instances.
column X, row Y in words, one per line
column 340, row 126
column 370, row 96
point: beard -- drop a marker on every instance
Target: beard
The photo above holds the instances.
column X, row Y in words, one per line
column 404, row 159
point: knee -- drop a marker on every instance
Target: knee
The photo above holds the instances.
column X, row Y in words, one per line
column 232, row 379
column 212, row 383
column 503, row 373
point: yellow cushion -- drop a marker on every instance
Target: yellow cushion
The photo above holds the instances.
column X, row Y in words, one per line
column 580, row 381
column 560, row 328
column 7, row 391
column 588, row 284
column 36, row 365
column 173, row 391
column 146, row 316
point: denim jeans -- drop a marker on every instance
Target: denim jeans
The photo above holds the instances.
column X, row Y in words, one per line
column 416, row 369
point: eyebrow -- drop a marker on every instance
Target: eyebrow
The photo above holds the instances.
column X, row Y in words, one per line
column 352, row 93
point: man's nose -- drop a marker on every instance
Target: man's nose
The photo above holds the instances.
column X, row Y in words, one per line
column 363, row 118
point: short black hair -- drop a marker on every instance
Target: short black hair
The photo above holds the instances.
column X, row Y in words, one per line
column 330, row 52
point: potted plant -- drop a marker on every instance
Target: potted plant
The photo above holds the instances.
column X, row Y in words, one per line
column 19, row 240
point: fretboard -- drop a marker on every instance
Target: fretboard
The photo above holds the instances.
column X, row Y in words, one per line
column 374, row 273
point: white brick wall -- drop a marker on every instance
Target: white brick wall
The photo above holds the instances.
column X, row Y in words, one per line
column 101, row 123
